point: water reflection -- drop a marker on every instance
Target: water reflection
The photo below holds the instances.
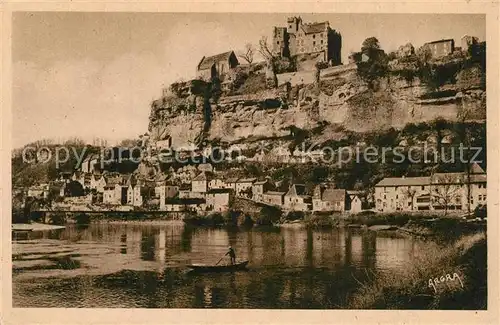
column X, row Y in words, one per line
column 130, row 265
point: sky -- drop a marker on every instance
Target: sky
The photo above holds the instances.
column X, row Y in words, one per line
column 87, row 75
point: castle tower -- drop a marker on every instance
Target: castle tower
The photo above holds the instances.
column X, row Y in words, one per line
column 293, row 24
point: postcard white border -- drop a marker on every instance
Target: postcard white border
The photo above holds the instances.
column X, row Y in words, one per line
column 248, row 316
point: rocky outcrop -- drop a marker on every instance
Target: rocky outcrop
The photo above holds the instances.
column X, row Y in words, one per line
column 341, row 97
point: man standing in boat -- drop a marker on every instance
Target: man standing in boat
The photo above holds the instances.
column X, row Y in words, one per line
column 232, row 255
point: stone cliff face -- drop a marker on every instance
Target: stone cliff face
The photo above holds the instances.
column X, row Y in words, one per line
column 339, row 98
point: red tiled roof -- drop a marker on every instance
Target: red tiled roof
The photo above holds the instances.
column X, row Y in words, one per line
column 247, row 180
column 207, row 62
column 333, row 195
column 314, row 27
column 476, row 169
column 297, row 190
column 442, row 41
column 406, row 181
column 274, row 193
column 203, row 176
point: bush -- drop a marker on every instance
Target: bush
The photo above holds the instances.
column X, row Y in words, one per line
column 480, row 211
column 214, row 219
column 58, row 218
column 295, row 215
column 373, row 219
column 268, row 216
column 82, row 219
column 320, row 221
column 321, row 65
column 252, row 84
column 408, row 288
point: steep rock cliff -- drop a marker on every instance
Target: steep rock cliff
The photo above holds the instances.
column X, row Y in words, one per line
column 340, row 98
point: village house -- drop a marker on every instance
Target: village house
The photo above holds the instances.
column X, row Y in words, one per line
column 184, row 191
column 98, row 182
column 216, row 183
column 115, row 192
column 328, row 198
column 218, row 199
column 244, row 187
column 134, row 194
column 441, row 191
column 355, row 201
column 216, row 66
column 259, row 188
column 65, row 176
column 200, row 183
column 305, row 38
column 166, row 190
column 401, row 193
column 39, row 191
column 231, row 183
column 273, row 198
column 441, row 48
column 296, row 199
column 79, row 177
column 186, row 204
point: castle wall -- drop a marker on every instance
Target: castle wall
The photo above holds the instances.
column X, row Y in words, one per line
column 309, row 43
column 296, row 78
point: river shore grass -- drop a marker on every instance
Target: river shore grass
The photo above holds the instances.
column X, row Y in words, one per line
column 465, row 263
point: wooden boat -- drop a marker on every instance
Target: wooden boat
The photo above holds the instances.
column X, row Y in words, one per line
column 219, row 268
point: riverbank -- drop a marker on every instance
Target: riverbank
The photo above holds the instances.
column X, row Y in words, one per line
column 453, row 277
column 414, row 224
column 34, row 227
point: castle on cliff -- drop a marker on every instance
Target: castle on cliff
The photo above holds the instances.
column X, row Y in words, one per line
column 301, row 38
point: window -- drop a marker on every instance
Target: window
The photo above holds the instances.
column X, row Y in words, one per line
column 396, row 188
column 290, row 27
column 314, row 43
column 321, row 41
column 385, row 197
column 321, row 35
column 278, row 42
column 314, row 36
column 423, row 188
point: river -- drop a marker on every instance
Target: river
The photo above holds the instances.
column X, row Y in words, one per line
column 144, row 266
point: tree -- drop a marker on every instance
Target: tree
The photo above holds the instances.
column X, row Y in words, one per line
column 409, row 193
column 265, row 51
column 446, row 191
column 464, row 134
column 248, row 54
column 370, row 43
column 129, row 143
column 424, row 54
column 74, row 188
column 377, row 64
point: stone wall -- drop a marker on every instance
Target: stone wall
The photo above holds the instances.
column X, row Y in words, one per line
column 296, row 78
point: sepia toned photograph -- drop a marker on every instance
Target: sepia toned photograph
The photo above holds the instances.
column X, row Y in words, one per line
column 249, row 160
